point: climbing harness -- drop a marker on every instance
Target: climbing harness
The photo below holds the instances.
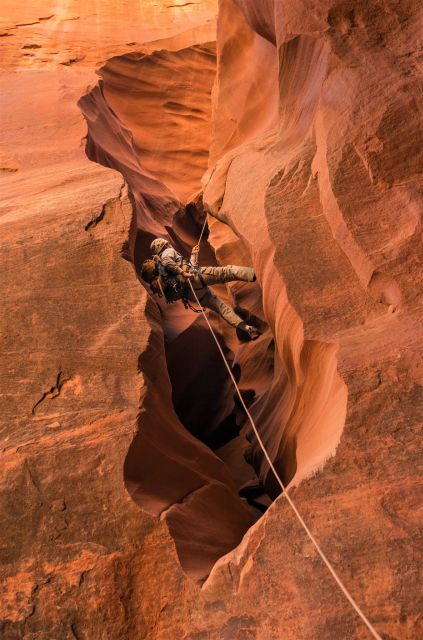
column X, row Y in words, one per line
column 277, row 477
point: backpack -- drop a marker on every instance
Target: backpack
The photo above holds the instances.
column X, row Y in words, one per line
column 150, row 274
column 149, row 270
column 161, row 283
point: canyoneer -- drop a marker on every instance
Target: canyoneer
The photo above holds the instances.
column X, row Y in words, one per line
column 168, row 275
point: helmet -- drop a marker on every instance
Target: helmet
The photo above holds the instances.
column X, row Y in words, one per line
column 158, row 245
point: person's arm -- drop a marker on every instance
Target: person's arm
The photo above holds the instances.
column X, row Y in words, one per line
column 169, row 259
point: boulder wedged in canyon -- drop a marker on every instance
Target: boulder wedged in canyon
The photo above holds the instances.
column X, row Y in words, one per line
column 314, row 180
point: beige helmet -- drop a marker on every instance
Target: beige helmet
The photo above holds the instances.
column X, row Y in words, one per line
column 157, row 246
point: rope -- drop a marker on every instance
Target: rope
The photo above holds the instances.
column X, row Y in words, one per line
column 202, row 230
column 282, row 486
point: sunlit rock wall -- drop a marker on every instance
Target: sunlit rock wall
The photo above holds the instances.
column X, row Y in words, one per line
column 314, row 179
column 73, row 326
column 316, row 167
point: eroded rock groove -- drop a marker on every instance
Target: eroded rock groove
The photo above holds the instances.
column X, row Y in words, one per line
column 194, row 462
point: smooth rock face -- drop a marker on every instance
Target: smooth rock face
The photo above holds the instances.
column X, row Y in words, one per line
column 325, row 207
column 314, row 178
column 175, row 86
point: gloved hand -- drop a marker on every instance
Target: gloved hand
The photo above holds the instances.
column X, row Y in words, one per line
column 194, row 255
column 187, row 274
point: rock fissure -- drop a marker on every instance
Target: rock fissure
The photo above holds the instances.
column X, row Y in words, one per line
column 194, row 459
column 94, row 221
column 74, row 632
column 52, row 393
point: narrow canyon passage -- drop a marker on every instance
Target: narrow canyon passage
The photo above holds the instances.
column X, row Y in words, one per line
column 194, row 462
column 136, row 501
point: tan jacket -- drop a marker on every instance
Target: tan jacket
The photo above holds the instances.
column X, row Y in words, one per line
column 173, row 261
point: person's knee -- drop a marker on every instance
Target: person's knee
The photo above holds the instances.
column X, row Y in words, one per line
column 210, row 301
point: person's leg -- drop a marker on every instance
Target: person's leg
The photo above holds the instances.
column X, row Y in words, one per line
column 213, row 302
column 229, row 273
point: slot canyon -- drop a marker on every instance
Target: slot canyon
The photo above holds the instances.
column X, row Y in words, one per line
column 136, row 502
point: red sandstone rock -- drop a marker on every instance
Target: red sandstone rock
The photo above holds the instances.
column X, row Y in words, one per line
column 343, row 241
column 313, row 178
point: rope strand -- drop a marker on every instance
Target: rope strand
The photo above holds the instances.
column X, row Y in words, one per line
column 278, row 479
column 202, row 229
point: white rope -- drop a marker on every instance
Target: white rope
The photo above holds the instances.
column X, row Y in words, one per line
column 275, row 473
column 202, row 230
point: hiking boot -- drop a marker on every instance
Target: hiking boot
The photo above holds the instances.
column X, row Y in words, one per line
column 247, row 332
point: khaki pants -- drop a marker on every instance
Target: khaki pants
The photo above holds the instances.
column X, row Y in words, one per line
column 220, row 275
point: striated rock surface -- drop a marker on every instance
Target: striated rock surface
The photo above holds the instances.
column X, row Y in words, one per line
column 318, row 196
column 73, row 326
column 122, row 448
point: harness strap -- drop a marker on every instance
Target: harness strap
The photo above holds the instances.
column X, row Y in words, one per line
column 188, row 305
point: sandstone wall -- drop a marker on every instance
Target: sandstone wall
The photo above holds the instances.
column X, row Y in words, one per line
column 326, row 199
column 114, row 503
